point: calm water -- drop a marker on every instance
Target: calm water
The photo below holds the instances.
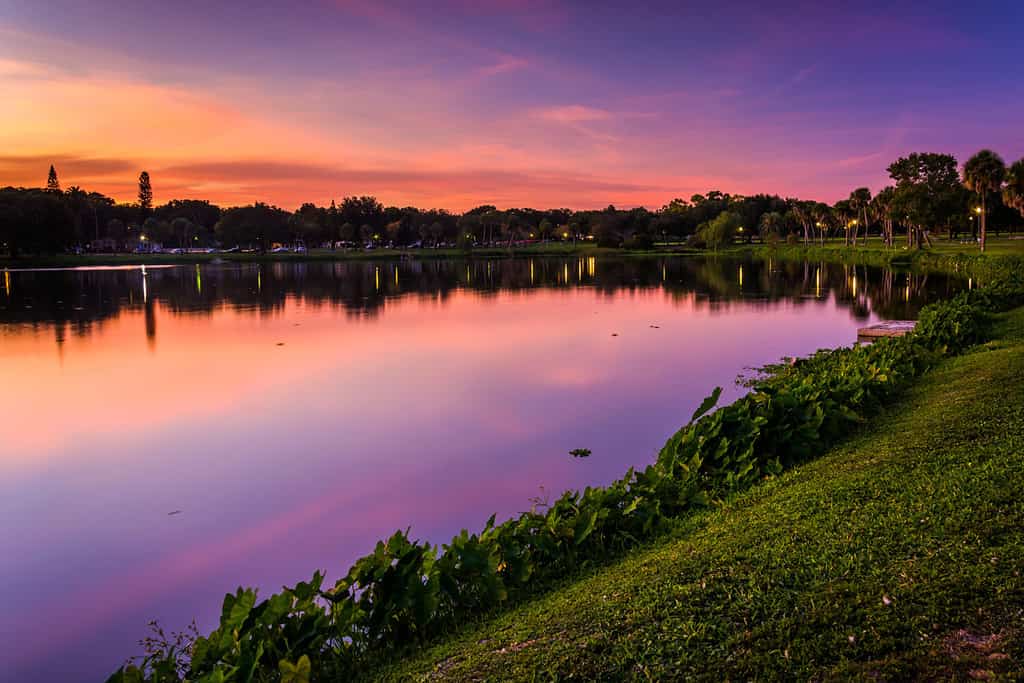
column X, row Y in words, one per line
column 295, row 413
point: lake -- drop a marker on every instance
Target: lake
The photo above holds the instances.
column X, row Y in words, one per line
column 169, row 433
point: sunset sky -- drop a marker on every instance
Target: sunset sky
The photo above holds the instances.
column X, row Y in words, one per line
column 531, row 103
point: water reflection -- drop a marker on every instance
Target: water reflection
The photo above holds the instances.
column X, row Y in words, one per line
column 296, row 413
column 73, row 301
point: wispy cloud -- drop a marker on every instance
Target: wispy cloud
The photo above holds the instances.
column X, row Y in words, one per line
column 29, row 169
column 573, row 113
column 505, row 64
column 859, row 160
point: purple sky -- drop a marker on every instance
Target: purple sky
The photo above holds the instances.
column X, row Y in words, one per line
column 534, row 103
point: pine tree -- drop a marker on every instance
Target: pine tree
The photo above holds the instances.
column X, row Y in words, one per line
column 145, row 194
column 52, row 184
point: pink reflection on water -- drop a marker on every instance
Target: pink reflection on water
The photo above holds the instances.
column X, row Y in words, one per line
column 287, row 458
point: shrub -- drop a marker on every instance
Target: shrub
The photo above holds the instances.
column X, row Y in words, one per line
column 719, row 231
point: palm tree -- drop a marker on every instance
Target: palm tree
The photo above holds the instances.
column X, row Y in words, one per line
column 823, row 217
column 983, row 173
column 1013, row 192
column 859, row 201
column 802, row 213
column 770, row 223
column 882, row 210
column 844, row 214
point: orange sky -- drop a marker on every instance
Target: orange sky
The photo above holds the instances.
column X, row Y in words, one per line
column 543, row 104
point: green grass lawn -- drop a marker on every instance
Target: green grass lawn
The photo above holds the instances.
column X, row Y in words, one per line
column 895, row 556
column 995, row 246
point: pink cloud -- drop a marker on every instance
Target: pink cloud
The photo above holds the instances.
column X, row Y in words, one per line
column 505, row 64
column 573, row 113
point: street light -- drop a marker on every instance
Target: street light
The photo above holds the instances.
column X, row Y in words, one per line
column 977, row 210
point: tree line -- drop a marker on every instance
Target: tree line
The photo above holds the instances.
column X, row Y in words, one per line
column 930, row 194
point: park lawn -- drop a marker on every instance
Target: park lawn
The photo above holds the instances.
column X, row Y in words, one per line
column 897, row 555
column 994, row 246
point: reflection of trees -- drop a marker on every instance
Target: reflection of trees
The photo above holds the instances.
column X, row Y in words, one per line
column 71, row 301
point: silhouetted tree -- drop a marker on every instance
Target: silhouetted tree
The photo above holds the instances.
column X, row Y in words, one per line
column 1013, row 193
column 145, row 196
column 52, row 184
column 860, row 199
column 983, row 173
column 927, row 191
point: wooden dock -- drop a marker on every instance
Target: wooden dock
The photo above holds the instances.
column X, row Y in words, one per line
column 889, row 328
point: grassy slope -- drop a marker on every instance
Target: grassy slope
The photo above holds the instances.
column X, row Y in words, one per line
column 897, row 555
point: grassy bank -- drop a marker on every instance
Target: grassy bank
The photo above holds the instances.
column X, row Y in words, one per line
column 898, row 555
column 947, row 257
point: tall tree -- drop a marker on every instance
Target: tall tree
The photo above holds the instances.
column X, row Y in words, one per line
column 145, row 195
column 860, row 199
column 845, row 215
column 983, row 173
column 802, row 214
column 927, row 192
column 1013, row 192
column 770, row 224
column 823, row 219
column 719, row 231
column 52, row 184
column 882, row 208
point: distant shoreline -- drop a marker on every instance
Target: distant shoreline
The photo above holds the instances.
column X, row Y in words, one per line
column 874, row 251
column 319, row 255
